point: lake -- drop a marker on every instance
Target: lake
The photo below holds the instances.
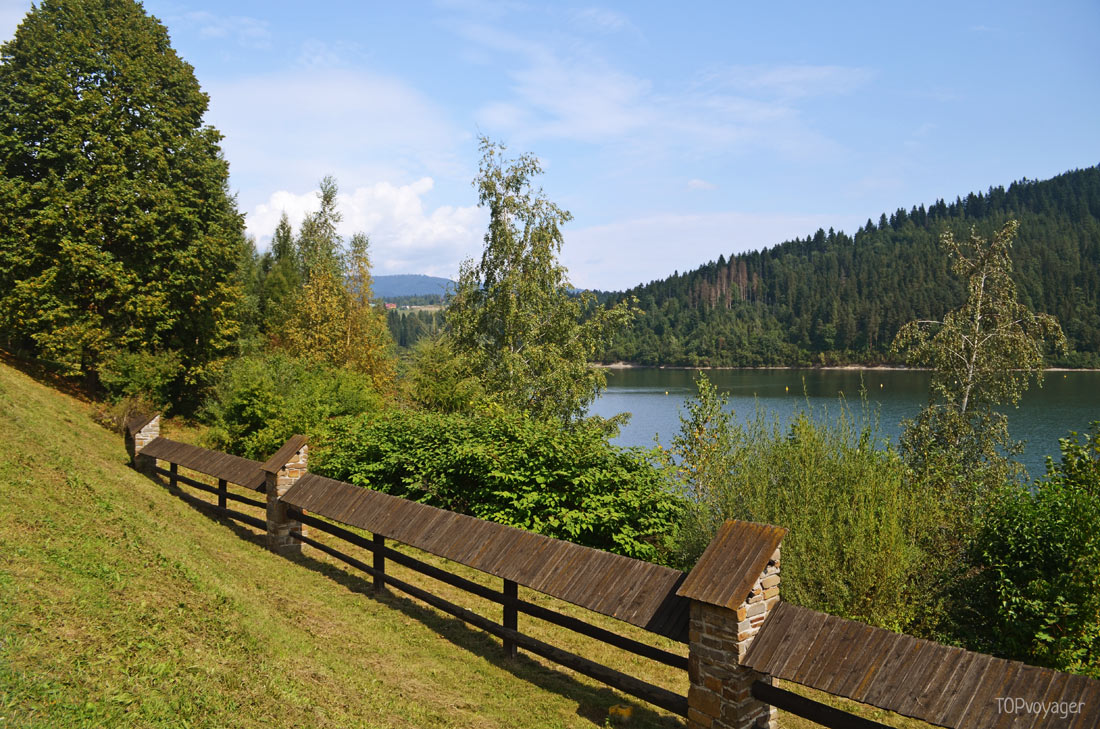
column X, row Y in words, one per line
column 655, row 397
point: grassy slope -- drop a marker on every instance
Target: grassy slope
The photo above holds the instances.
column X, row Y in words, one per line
column 122, row 605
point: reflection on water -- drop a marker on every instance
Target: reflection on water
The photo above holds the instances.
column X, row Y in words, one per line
column 655, row 397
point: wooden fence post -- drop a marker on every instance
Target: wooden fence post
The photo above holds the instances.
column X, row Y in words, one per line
column 725, row 617
column 379, row 564
column 282, row 471
column 223, row 489
column 511, row 615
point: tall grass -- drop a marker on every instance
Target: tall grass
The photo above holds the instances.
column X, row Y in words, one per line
column 859, row 526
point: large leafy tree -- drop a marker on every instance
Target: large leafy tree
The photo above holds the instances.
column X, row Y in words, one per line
column 526, row 336
column 117, row 231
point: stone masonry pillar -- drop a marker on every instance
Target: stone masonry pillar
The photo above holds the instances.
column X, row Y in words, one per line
column 733, row 588
column 282, row 470
column 141, row 430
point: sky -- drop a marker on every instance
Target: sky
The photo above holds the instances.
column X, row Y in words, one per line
column 672, row 133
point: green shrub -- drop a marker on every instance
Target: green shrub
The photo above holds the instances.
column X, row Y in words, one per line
column 856, row 525
column 145, row 376
column 564, row 482
column 1037, row 595
column 260, row 401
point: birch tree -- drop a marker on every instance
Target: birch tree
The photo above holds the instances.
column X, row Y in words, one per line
column 526, row 335
column 985, row 352
column 982, row 355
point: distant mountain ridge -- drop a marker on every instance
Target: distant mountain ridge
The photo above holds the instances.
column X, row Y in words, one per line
column 411, row 284
column 834, row 298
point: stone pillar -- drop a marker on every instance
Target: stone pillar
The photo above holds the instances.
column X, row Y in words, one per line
column 719, row 697
column 141, row 430
column 733, row 588
column 283, row 470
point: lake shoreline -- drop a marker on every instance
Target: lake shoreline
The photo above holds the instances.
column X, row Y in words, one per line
column 849, row 367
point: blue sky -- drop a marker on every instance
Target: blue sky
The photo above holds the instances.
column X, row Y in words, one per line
column 674, row 133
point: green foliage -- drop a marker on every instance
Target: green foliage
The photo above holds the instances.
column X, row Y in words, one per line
column 259, row 401
column 330, row 318
column 842, row 297
column 857, row 525
column 981, row 355
column 985, row 352
column 116, row 228
column 440, row 380
column 281, row 277
column 526, row 337
column 1036, row 597
column 562, row 481
column 140, row 374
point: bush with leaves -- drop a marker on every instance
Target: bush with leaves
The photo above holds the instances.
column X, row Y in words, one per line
column 1036, row 597
column 260, row 401
column 540, row 475
column 856, row 524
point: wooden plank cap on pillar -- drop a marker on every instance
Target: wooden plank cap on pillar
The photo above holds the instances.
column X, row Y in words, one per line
column 732, row 563
column 136, row 422
column 284, row 454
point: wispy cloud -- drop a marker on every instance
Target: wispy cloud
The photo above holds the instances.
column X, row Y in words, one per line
column 603, row 20
column 243, row 30
column 791, row 82
column 317, row 54
column 697, row 184
column 568, row 91
column 405, row 236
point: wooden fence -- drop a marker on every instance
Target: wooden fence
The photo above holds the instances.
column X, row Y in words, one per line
column 727, row 609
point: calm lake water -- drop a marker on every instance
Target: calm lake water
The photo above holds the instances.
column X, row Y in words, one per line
column 1067, row 401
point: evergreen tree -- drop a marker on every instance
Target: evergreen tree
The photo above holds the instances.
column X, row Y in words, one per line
column 282, row 275
column 331, row 318
column 116, row 226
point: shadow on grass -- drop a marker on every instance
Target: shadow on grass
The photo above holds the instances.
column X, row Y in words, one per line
column 49, row 374
column 592, row 702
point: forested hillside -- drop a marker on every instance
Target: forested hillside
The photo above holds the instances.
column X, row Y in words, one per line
column 835, row 298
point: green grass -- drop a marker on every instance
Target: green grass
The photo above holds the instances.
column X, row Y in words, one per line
column 123, row 605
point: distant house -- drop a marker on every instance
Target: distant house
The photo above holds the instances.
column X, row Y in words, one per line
column 390, row 305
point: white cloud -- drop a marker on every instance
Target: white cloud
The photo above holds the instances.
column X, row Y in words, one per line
column 288, row 131
column 405, row 236
column 697, row 184
column 624, row 254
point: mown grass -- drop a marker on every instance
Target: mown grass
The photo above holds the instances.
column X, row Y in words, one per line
column 123, row 605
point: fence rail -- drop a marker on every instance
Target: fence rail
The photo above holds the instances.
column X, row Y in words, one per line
column 537, row 611
column 656, row 695
column 727, row 609
column 507, row 630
